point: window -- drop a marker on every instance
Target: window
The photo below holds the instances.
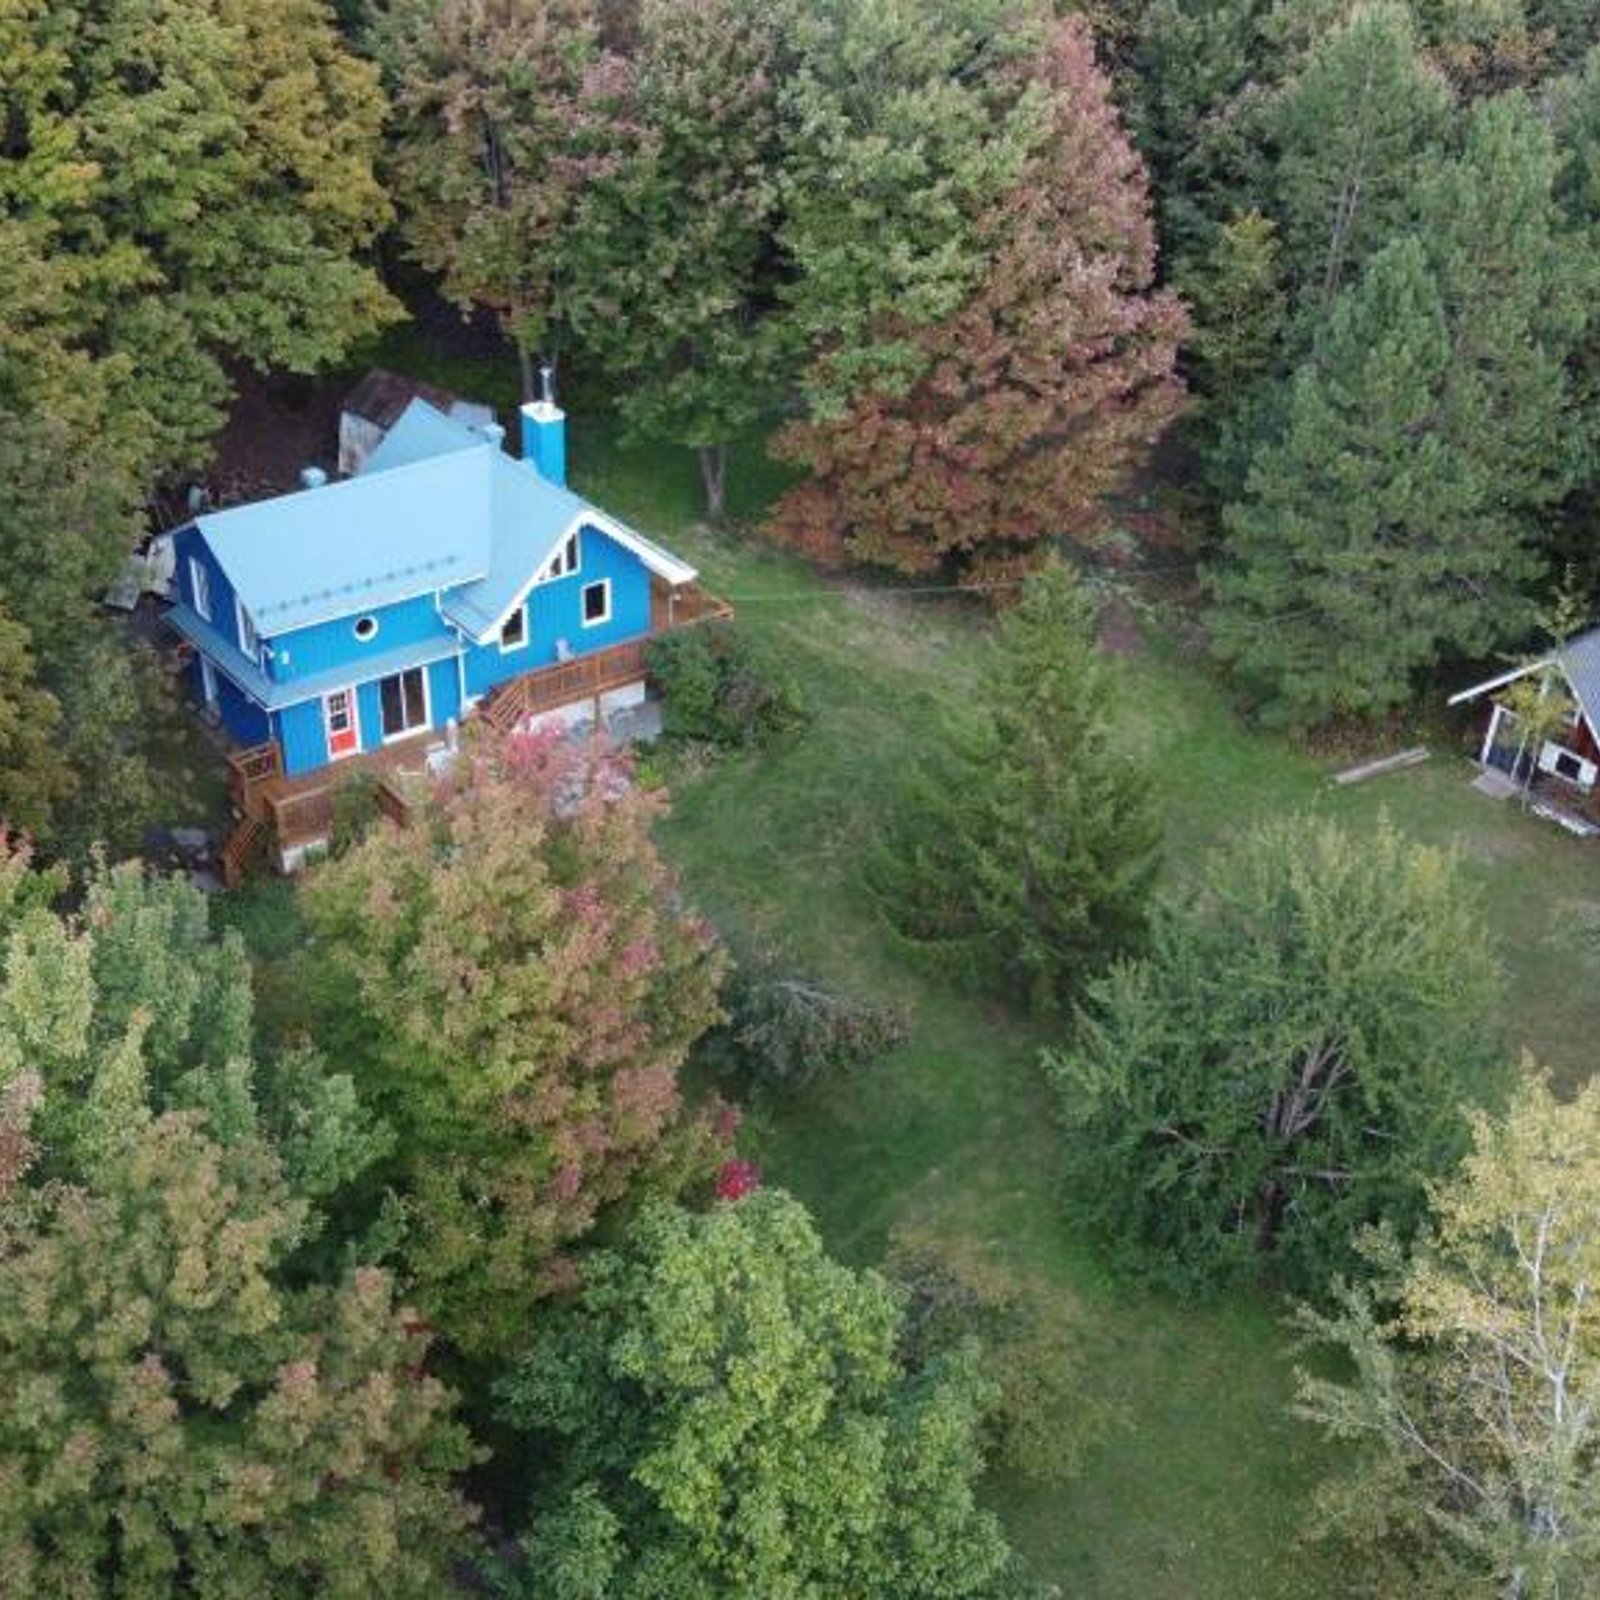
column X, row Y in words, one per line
column 200, row 586
column 404, row 702
column 249, row 639
column 596, row 602
column 366, row 628
column 1569, row 766
column 515, row 633
column 564, row 562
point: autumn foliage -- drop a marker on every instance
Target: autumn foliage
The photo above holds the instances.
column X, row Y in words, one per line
column 528, row 989
column 1036, row 394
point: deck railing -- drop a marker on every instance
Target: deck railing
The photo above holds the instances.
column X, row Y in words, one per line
column 300, row 810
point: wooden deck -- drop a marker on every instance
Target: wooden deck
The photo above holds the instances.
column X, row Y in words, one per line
column 291, row 812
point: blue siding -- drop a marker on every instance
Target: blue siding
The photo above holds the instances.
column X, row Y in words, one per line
column 325, row 646
column 188, row 542
column 245, row 721
column 303, row 733
column 555, row 611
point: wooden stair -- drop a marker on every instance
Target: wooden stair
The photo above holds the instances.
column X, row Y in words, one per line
column 245, row 844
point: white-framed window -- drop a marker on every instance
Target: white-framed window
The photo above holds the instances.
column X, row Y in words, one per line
column 208, row 683
column 249, row 639
column 366, row 628
column 596, row 603
column 403, row 702
column 514, row 635
column 200, row 586
column 564, row 562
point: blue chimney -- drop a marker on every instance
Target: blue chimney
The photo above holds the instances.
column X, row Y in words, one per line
column 544, row 433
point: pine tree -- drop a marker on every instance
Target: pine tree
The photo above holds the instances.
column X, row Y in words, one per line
column 1039, row 391
column 1353, row 131
column 1024, row 857
column 1367, row 540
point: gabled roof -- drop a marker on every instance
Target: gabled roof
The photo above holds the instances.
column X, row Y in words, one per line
column 381, row 397
column 437, row 506
column 344, row 547
column 1579, row 661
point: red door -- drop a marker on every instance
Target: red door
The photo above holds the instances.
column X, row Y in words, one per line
column 344, row 732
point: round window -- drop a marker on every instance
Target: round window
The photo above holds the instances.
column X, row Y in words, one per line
column 366, row 628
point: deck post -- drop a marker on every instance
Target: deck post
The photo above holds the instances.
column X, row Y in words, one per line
column 1492, row 734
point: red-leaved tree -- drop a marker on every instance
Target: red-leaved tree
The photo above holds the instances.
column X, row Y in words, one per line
column 1037, row 394
column 527, row 987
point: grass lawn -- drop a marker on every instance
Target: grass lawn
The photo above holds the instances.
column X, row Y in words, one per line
column 1201, row 1484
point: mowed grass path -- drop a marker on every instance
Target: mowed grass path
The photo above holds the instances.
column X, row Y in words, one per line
column 1201, row 1485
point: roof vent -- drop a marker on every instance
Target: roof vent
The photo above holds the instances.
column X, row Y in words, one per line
column 494, row 433
column 312, row 477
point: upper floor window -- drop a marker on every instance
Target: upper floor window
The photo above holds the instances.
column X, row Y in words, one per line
column 596, row 602
column 515, row 632
column 249, row 639
column 200, row 586
column 366, row 628
column 565, row 561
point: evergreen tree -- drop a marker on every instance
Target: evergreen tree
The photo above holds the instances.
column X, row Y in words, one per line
column 1038, row 392
column 1368, row 540
column 1474, row 1372
column 1024, row 856
column 1289, row 1061
column 525, row 990
column 731, row 1417
column 1353, row 130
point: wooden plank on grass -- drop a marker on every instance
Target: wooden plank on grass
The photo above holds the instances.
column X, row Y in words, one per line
column 1372, row 769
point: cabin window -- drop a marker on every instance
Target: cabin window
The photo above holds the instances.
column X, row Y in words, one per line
column 565, row 561
column 200, row 586
column 1569, row 766
column 366, row 628
column 249, row 639
column 515, row 632
column 403, row 700
column 596, row 603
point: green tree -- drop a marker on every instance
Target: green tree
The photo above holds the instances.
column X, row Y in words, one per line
column 505, row 112
column 1367, row 540
column 1289, row 1060
column 1024, row 855
column 33, row 778
column 524, row 991
column 902, row 125
column 1475, row 1369
column 730, row 1417
column 1353, row 131
column 187, row 1406
column 1041, row 388
column 676, row 286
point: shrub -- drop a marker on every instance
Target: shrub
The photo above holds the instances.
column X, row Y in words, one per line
column 785, row 1029
column 721, row 689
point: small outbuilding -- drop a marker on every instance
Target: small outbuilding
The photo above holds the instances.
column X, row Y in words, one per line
column 373, row 407
column 1541, row 729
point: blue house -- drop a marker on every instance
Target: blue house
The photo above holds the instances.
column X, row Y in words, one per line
column 355, row 622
